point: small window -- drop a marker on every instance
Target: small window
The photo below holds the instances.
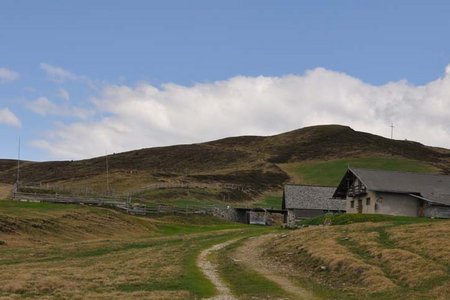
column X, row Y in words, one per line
column 367, row 201
column 352, row 204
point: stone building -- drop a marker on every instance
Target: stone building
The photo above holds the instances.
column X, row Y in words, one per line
column 305, row 201
column 395, row 193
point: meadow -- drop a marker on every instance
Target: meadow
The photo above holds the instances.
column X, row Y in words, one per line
column 68, row 251
column 79, row 252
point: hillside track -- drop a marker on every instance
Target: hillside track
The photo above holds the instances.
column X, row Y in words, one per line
column 249, row 254
column 210, row 271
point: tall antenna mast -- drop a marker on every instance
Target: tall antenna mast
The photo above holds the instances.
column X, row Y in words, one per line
column 107, row 175
column 18, row 167
column 392, row 131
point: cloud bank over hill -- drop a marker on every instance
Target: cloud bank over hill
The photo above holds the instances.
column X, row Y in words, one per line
column 131, row 117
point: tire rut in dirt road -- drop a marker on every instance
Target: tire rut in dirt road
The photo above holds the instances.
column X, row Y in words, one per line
column 212, row 274
column 249, row 254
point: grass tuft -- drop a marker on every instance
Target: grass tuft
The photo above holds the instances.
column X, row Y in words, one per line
column 344, row 219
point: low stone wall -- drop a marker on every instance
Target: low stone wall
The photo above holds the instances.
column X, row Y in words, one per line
column 437, row 212
column 227, row 213
column 248, row 216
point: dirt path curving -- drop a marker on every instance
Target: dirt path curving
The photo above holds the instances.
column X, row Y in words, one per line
column 249, row 254
column 211, row 273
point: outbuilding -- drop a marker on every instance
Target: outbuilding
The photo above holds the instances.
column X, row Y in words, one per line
column 306, row 201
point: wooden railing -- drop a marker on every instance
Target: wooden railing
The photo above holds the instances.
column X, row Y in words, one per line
column 117, row 203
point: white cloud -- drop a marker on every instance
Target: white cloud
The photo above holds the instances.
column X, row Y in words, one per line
column 7, row 75
column 144, row 115
column 63, row 94
column 60, row 75
column 9, row 118
column 44, row 107
column 56, row 73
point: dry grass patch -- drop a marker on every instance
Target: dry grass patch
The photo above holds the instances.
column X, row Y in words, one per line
column 156, row 295
column 73, row 224
column 78, row 252
column 410, row 269
column 429, row 240
column 404, row 266
column 441, row 292
column 383, row 260
column 319, row 249
column 121, row 182
column 152, row 268
column 5, row 190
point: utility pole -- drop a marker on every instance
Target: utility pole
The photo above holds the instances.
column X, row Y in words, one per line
column 107, row 174
column 18, row 167
column 392, row 131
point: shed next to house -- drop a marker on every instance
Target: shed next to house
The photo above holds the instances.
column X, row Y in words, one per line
column 304, row 201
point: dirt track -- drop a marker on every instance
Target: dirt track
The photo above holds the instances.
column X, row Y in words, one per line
column 210, row 271
column 250, row 255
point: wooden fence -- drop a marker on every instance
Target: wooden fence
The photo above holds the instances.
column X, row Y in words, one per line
column 121, row 204
column 85, row 192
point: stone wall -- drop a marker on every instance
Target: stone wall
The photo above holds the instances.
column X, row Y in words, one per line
column 229, row 213
column 437, row 212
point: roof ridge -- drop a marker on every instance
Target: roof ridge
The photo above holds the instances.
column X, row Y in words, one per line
column 401, row 172
column 310, row 185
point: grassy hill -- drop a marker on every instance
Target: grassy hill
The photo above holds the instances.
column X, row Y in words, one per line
column 313, row 155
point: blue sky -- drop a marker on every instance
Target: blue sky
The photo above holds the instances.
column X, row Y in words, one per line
column 74, row 74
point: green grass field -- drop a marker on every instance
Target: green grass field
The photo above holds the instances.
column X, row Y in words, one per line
column 328, row 173
column 180, row 197
column 269, row 201
column 345, row 219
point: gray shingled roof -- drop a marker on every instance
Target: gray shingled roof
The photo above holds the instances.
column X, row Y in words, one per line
column 311, row 197
column 435, row 188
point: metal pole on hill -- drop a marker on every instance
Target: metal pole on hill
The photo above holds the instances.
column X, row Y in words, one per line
column 107, row 174
column 392, row 131
column 18, row 167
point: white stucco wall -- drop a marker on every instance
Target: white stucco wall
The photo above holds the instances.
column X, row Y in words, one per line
column 397, row 204
column 366, row 208
column 385, row 203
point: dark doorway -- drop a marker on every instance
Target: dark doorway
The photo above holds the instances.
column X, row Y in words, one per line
column 359, row 206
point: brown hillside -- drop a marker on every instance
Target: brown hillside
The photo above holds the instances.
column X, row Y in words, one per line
column 245, row 160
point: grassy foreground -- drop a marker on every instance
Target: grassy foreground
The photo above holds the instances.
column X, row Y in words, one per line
column 370, row 257
column 345, row 219
column 66, row 251
column 79, row 252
